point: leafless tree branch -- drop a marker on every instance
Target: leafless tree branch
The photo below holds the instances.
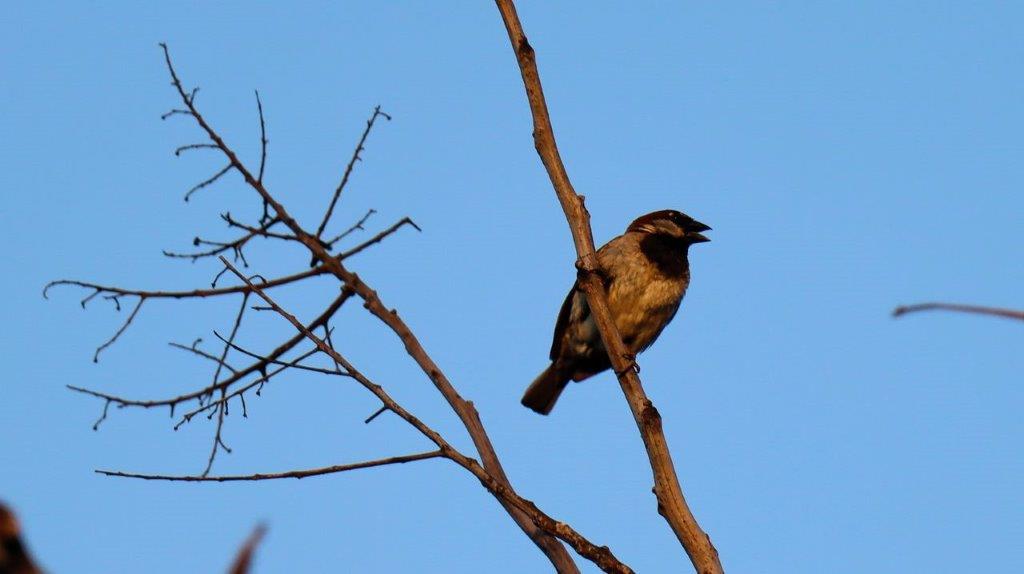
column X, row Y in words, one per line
column 601, row 556
column 671, row 503
column 348, row 169
column 195, row 350
column 259, row 366
column 278, row 475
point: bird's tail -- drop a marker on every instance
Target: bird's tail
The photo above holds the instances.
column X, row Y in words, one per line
column 543, row 392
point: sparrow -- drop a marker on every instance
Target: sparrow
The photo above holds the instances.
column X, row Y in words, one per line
column 645, row 272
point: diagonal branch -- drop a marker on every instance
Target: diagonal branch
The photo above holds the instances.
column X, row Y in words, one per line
column 500, row 488
column 671, row 503
column 975, row 309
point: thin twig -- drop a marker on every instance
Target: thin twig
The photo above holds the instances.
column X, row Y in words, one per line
column 262, row 231
column 278, row 475
column 244, row 351
column 188, row 147
column 358, row 225
column 207, row 182
column 376, row 414
column 220, row 247
column 196, row 351
column 240, row 391
column 263, row 137
column 124, row 327
column 379, row 237
column 348, row 169
column 193, row 294
column 222, row 409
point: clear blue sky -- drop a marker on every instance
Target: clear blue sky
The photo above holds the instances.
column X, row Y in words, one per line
column 849, row 157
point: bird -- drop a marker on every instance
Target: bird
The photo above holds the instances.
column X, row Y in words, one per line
column 645, row 272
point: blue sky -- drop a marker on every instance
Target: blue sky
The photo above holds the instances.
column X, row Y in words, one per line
column 850, row 157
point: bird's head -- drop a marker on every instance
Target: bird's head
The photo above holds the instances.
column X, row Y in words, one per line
column 671, row 224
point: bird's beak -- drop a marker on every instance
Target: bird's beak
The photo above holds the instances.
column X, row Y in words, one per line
column 695, row 235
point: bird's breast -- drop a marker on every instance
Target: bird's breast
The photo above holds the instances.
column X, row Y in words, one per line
column 642, row 304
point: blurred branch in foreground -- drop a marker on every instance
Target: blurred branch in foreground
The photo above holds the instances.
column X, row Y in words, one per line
column 959, row 308
column 14, row 556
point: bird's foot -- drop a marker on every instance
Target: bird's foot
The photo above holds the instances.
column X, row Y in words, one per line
column 632, row 366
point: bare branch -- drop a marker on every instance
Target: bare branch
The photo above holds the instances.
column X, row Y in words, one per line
column 379, row 237
column 235, row 246
column 671, row 503
column 348, row 169
column 517, row 506
column 263, row 137
column 175, row 112
column 207, row 182
column 262, row 231
column 279, row 475
column 358, row 225
column 240, row 391
column 376, row 414
column 222, row 409
column 975, row 309
column 238, row 348
column 256, row 367
column 193, row 294
column 124, row 327
column 178, row 151
column 194, row 349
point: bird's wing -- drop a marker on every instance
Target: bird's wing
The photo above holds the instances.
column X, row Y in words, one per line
column 563, row 321
column 575, row 309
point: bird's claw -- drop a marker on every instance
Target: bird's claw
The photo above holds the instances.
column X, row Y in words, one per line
column 632, row 366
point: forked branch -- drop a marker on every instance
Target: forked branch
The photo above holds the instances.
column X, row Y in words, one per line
column 600, row 555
